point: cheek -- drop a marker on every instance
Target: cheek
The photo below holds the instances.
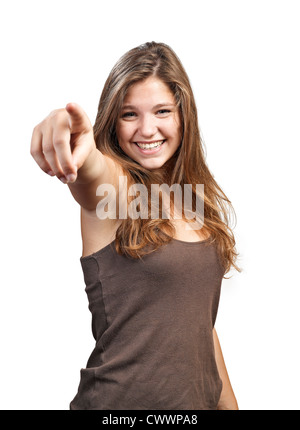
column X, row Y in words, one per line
column 123, row 132
column 175, row 130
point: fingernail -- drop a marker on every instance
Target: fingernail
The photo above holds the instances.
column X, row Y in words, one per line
column 63, row 180
column 51, row 173
column 71, row 177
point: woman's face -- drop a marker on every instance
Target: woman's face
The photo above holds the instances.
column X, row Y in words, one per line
column 149, row 127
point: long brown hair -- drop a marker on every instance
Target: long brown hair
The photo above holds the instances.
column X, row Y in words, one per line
column 137, row 237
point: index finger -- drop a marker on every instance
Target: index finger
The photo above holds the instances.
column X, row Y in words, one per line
column 78, row 120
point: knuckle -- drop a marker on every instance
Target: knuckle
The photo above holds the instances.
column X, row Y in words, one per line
column 59, row 141
column 57, row 114
column 34, row 152
column 36, row 129
column 47, row 149
column 53, row 113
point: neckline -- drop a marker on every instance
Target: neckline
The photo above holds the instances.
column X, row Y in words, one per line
column 191, row 242
column 184, row 242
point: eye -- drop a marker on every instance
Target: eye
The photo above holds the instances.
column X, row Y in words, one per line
column 128, row 115
column 163, row 111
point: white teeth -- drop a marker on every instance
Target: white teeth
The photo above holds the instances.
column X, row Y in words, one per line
column 149, row 145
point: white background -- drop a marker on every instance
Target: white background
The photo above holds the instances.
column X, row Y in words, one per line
column 243, row 61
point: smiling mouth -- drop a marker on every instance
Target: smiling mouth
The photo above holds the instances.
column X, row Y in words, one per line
column 150, row 145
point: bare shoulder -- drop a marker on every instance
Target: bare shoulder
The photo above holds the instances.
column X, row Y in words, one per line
column 96, row 233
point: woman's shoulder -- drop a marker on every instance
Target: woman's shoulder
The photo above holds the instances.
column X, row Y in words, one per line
column 96, row 233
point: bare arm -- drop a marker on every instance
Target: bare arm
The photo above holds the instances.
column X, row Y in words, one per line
column 227, row 399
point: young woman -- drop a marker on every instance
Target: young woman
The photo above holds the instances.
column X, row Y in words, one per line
column 153, row 282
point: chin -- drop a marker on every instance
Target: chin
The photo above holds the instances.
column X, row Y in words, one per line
column 152, row 165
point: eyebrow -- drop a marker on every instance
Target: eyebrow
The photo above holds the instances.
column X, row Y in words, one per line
column 154, row 107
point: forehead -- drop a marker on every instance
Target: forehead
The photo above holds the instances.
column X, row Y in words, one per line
column 150, row 90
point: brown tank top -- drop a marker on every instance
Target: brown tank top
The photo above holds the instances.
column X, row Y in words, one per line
column 152, row 319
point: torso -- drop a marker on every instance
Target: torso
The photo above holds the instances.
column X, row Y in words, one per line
column 152, row 321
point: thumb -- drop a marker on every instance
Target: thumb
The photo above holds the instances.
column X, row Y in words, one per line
column 78, row 119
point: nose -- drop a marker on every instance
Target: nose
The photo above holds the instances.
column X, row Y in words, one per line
column 147, row 126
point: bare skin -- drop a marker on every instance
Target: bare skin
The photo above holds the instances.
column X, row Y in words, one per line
column 63, row 145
